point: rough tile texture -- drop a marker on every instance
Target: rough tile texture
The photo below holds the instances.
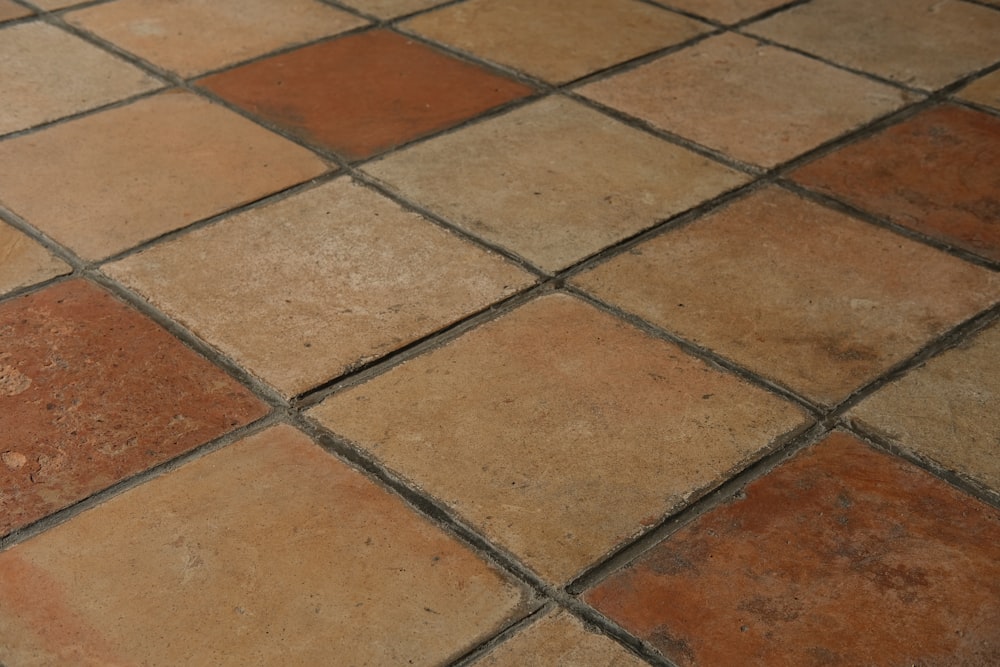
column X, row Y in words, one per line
column 24, row 262
column 302, row 290
column 335, row 95
column 92, row 392
column 985, row 91
column 310, row 560
column 842, row 556
column 559, row 431
column 10, row 10
column 554, row 181
column 809, row 297
column 168, row 160
column 726, row 11
column 387, row 9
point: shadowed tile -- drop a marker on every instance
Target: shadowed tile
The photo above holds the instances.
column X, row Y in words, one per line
column 24, row 262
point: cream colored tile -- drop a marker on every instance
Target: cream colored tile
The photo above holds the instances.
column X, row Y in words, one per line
column 24, row 262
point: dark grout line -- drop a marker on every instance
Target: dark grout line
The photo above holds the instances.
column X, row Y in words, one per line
column 479, row 651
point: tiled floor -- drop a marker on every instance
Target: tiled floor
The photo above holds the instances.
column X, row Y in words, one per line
column 500, row 332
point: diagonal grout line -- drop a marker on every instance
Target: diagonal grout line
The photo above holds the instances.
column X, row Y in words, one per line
column 480, row 650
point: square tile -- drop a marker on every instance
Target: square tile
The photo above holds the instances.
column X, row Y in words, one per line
column 139, row 171
column 801, row 294
column 365, row 93
column 192, row 36
column 305, row 289
column 922, row 43
column 985, row 91
column 841, row 557
column 725, row 11
column 937, row 173
column 387, row 9
column 266, row 552
column 24, row 261
column 767, row 105
column 559, row 431
column 556, row 40
column 554, row 181
column 11, row 10
column 46, row 74
column 92, row 392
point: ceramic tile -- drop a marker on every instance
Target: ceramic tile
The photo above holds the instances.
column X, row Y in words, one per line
column 387, row 9
column 985, row 91
column 11, row 10
column 53, row 5
column 726, row 11
column 24, row 261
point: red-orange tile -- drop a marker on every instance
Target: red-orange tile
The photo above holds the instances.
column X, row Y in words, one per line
column 843, row 556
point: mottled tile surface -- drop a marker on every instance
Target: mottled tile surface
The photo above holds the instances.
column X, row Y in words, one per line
column 725, row 11
column 985, row 91
column 23, row 261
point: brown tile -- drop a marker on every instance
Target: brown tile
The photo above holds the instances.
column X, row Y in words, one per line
column 267, row 552
column 92, row 392
column 556, row 40
column 726, row 11
column 936, row 173
column 169, row 160
column 922, row 43
column 303, row 290
column 387, row 9
column 799, row 293
column 24, row 262
column 364, row 93
column 767, row 105
column 985, row 91
column 843, row 556
column 559, row 431
column 192, row 36
column 553, row 181
column 10, row 10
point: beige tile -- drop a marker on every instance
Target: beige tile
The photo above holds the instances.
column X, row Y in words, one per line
column 46, row 74
column 387, row 9
column 556, row 40
column 305, row 289
column 53, row 5
column 144, row 169
column 267, row 552
column 24, row 262
column 726, row 11
column 985, row 91
column 554, row 181
column 922, row 43
column 796, row 292
column 759, row 104
column 10, row 10
column 559, row 431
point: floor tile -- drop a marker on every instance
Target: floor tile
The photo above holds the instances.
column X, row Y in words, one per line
column 24, row 261
column 768, row 105
column 92, row 392
column 556, row 40
column 169, row 160
column 843, row 556
column 985, row 91
column 553, row 181
column 937, row 173
column 387, row 9
column 308, row 560
column 305, row 289
column 726, row 11
column 53, row 5
column 799, row 293
column 338, row 94
column 559, row 431
column 921, row 43
column 11, row 10
column 46, row 74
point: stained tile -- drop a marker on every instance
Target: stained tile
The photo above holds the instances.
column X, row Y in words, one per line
column 308, row 561
column 767, row 105
column 387, row 9
column 556, row 40
column 843, row 556
column 559, row 431
column 799, row 293
column 726, row 11
column 11, row 10
column 92, row 392
column 46, row 74
column 169, row 160
column 192, row 36
column 554, row 181
column 364, row 93
column 937, row 173
column 985, row 91
column 23, row 261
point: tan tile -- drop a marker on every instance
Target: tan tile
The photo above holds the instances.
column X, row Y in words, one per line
column 985, row 91
column 759, row 104
column 24, row 262
column 559, row 431
column 46, row 74
column 557, row 40
column 53, row 5
column 11, row 10
column 922, row 43
column 267, row 552
column 387, row 9
column 803, row 295
column 305, row 289
column 554, row 181
column 168, row 160
column 726, row 11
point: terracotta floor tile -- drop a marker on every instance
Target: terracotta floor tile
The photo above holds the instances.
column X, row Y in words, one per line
column 558, row 430
column 303, row 290
column 46, row 74
column 796, row 292
column 307, row 561
column 843, row 556
column 767, row 105
column 387, row 9
column 556, row 40
column 985, row 91
column 726, row 11
column 53, row 5
column 337, row 94
column 11, row 10
column 553, row 181
column 169, row 160
column 92, row 392
column 24, row 262
column 938, row 173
